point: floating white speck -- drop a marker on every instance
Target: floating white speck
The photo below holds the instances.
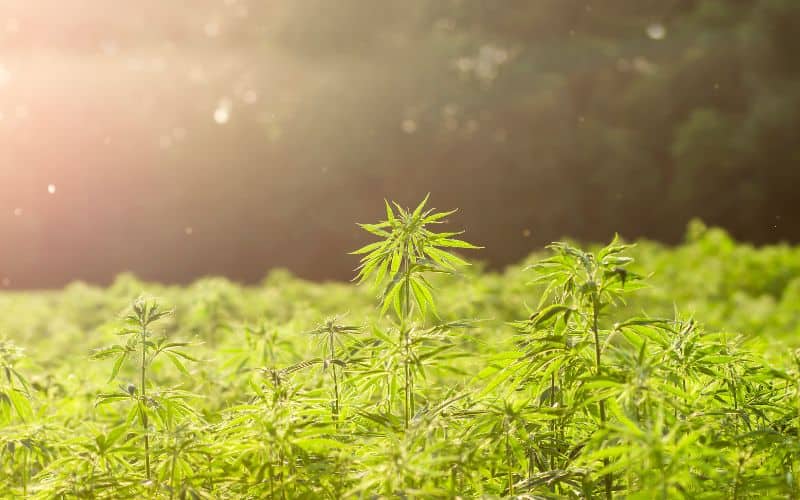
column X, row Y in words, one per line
column 18, row 212
column 642, row 65
column 12, row 26
column 198, row 75
column 465, row 64
column 5, row 75
column 222, row 115
column 409, row 126
column 51, row 188
column 158, row 64
column 211, row 29
column 656, row 31
column 250, row 96
column 109, row 48
column 179, row 133
column 189, row 231
column 223, row 112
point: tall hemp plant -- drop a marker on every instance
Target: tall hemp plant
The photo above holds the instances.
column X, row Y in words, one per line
column 14, row 388
column 399, row 264
column 15, row 394
column 562, row 346
column 330, row 335
column 144, row 348
column 583, row 286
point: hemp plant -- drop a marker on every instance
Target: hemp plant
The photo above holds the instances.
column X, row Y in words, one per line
column 331, row 334
column 562, row 357
column 141, row 347
column 399, row 262
column 14, row 387
column 15, row 394
column 582, row 286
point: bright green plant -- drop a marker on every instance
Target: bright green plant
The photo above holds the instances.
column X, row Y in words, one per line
column 25, row 450
column 14, row 388
column 590, row 396
column 587, row 284
column 144, row 348
column 331, row 335
column 407, row 252
column 15, row 405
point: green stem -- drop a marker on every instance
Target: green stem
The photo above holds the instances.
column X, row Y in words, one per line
column 91, row 477
column 508, row 463
column 608, row 478
column 406, row 311
column 210, row 475
column 335, row 378
column 553, row 422
column 172, row 470
column 737, row 478
column 143, row 403
column 280, row 474
column 271, row 480
column 25, row 473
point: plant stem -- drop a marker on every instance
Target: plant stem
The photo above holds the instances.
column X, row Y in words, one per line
column 142, row 408
column 25, row 473
column 332, row 347
column 553, row 423
column 405, row 337
column 280, row 474
column 508, row 462
column 608, row 478
column 172, row 470
column 271, row 479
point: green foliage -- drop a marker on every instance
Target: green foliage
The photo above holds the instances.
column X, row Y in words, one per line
column 14, row 388
column 409, row 251
column 606, row 387
column 168, row 409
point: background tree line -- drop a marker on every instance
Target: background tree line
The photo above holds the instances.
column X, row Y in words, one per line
column 540, row 119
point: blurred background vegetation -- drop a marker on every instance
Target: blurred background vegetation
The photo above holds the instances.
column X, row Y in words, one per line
column 182, row 139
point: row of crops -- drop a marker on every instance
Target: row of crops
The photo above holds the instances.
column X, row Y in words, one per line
column 584, row 372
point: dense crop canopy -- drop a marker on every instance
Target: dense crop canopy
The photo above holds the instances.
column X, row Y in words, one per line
column 452, row 387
